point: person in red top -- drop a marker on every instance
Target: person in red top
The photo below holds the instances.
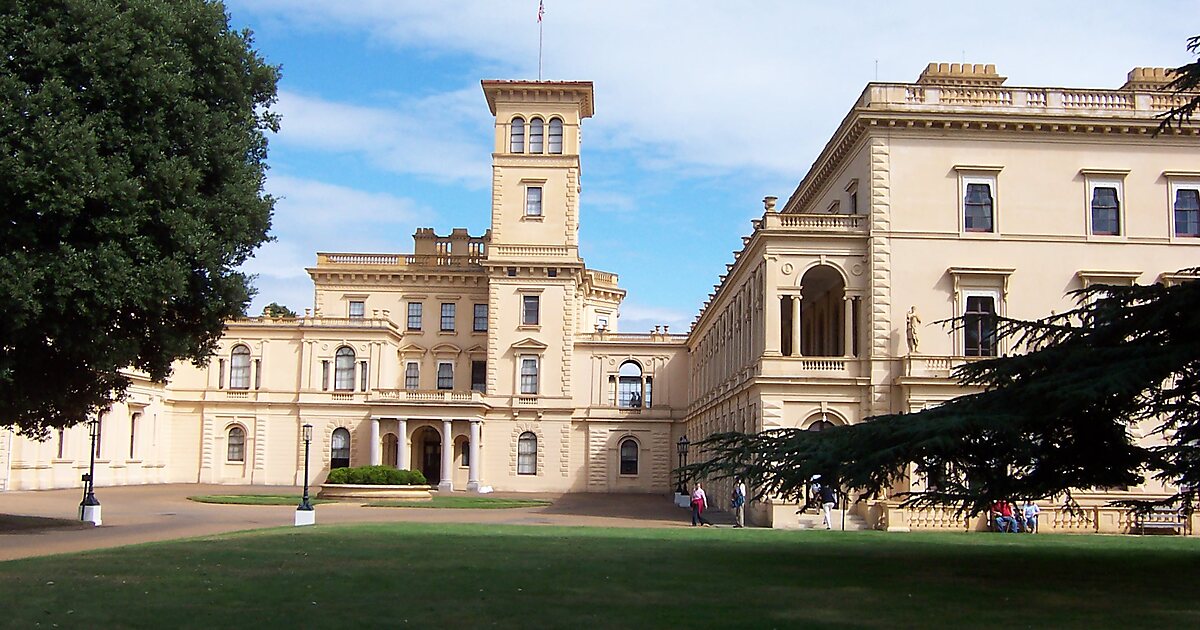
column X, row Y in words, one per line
column 1005, row 522
column 699, row 504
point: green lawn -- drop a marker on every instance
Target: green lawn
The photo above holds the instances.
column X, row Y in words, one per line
column 256, row 499
column 427, row 575
column 477, row 503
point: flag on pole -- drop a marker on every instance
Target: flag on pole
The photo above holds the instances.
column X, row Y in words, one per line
column 541, row 10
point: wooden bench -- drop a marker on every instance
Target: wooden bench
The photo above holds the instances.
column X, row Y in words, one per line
column 1161, row 519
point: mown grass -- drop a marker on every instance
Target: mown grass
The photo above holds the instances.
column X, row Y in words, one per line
column 442, row 575
column 475, row 503
column 255, row 499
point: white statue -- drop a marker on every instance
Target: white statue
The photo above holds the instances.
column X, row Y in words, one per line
column 914, row 325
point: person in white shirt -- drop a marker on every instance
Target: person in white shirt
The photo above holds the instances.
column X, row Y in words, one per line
column 738, row 502
column 699, row 504
column 1030, row 511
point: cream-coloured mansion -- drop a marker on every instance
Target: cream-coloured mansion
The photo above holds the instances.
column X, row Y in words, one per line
column 495, row 359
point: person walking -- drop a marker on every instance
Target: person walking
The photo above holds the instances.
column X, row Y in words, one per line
column 699, row 504
column 738, row 502
column 828, row 500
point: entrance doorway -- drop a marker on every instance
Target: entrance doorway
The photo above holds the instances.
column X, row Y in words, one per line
column 390, row 445
column 428, row 443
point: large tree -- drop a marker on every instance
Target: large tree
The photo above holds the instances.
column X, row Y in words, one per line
column 1096, row 397
column 132, row 162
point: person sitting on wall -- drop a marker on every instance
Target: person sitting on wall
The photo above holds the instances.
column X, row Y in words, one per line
column 1005, row 522
column 1031, row 511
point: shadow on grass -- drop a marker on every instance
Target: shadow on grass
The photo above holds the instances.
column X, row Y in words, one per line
column 506, row 576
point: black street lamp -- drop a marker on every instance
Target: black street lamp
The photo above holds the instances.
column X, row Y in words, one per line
column 682, row 448
column 304, row 512
column 89, row 508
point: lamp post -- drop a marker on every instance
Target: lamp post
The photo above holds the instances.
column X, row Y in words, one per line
column 89, row 508
column 305, row 514
column 681, row 447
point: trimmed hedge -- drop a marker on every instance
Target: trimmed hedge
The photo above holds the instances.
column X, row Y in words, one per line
column 377, row 476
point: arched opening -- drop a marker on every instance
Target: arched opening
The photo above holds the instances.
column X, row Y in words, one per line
column 391, row 445
column 343, row 374
column 820, row 425
column 235, row 445
column 536, row 133
column 339, row 449
column 556, row 136
column 517, row 136
column 427, row 447
column 239, row 367
column 629, row 456
column 822, row 313
column 629, row 386
column 527, row 454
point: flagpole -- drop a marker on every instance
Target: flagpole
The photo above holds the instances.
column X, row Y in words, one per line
column 539, row 45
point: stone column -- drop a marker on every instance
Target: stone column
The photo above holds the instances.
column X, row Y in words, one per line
column 772, row 310
column 376, row 456
column 796, row 322
column 473, row 465
column 848, row 318
column 401, row 444
column 447, row 482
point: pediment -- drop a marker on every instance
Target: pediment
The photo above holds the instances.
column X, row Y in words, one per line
column 529, row 343
column 412, row 349
column 477, row 349
column 446, row 348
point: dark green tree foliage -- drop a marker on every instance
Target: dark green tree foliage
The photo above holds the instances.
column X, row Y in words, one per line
column 1187, row 80
column 1065, row 412
column 275, row 309
column 132, row 160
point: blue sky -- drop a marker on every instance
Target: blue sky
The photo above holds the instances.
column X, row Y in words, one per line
column 702, row 109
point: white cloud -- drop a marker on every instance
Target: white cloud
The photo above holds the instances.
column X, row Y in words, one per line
column 437, row 136
column 728, row 86
column 637, row 317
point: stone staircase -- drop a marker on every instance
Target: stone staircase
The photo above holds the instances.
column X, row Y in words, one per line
column 813, row 520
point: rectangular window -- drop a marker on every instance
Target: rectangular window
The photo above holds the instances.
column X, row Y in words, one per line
column 481, row 316
column 602, row 322
column 979, row 326
column 533, row 201
column 552, row 272
column 448, row 316
column 529, row 310
column 412, row 376
column 445, row 376
column 358, row 308
column 1187, row 212
column 479, row 376
column 1106, row 210
column 978, row 207
column 324, row 375
column 362, row 377
column 529, row 375
column 414, row 316
column 854, row 202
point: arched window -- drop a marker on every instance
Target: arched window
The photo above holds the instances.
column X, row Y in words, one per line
column 820, row 425
column 527, row 454
column 629, row 457
column 517, row 136
column 339, row 449
column 239, row 368
column 235, row 450
column 343, row 373
column 555, row 135
column 536, row 129
column 629, row 388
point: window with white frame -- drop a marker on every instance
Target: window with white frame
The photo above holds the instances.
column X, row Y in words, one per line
column 556, row 136
column 343, row 369
column 1186, row 210
column 445, row 379
column 629, row 386
column 527, row 454
column 358, row 309
column 629, row 457
column 529, row 375
column 517, row 135
column 530, row 306
column 480, row 323
column 979, row 203
column 533, row 201
column 412, row 375
column 536, row 131
column 979, row 323
column 235, row 445
column 239, row 367
column 1104, row 207
column 448, row 309
column 414, row 316
column 339, row 449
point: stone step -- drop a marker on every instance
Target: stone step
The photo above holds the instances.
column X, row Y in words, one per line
column 811, row 520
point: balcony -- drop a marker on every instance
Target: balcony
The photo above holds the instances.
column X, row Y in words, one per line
column 815, row 223
column 426, row 397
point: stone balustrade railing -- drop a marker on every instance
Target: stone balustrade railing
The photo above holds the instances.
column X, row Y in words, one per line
column 442, row 396
column 399, row 260
column 1111, row 102
column 816, row 222
column 602, row 277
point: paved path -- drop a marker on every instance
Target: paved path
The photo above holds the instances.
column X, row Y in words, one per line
column 136, row 514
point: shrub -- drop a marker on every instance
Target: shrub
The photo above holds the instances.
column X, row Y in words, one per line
column 377, row 476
